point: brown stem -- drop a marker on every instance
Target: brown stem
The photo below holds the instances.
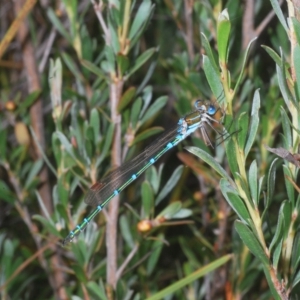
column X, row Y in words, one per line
column 248, row 30
column 279, row 286
column 36, row 114
column 188, row 14
column 116, row 88
column 248, row 23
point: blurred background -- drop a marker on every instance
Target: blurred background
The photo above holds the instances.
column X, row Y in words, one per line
column 86, row 86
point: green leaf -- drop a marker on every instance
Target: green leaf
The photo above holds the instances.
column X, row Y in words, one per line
column 190, row 278
column 28, row 101
column 273, row 55
column 34, row 170
column 141, row 60
column 296, row 25
column 278, row 11
column 251, row 242
column 173, row 180
column 126, row 98
column 48, row 225
column 41, row 150
column 71, row 8
column 287, row 133
column 147, row 77
column 296, row 279
column 223, row 32
column 137, row 29
column 252, row 178
column 95, row 291
column 239, row 80
column 232, row 156
column 147, row 199
column 107, row 144
column 170, row 210
column 270, row 186
column 66, row 144
column 154, row 108
column 283, row 79
column 209, row 53
column 72, row 66
column 114, row 40
column 93, row 68
column 287, row 218
column 146, row 134
column 123, row 63
column 156, row 249
column 254, row 122
column 6, row 193
column 234, row 200
column 213, row 78
column 141, row 17
column 3, row 145
column 135, row 112
column 154, row 177
column 182, row 214
column 115, row 13
column 243, row 123
column 211, row 161
column 80, row 252
column 295, row 254
column 63, row 188
column 243, row 184
column 277, row 255
column 87, row 44
column 288, row 185
column 296, row 58
column 147, row 98
column 126, row 231
column 279, row 227
column 58, row 25
column 95, row 124
column 79, row 272
column 111, row 59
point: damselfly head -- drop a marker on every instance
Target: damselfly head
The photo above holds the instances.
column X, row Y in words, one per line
column 205, row 106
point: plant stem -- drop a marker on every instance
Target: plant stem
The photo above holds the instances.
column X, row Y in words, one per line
column 116, row 88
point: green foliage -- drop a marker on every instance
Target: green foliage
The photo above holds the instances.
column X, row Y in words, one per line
column 104, row 97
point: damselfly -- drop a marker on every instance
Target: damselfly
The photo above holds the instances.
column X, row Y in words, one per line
column 103, row 191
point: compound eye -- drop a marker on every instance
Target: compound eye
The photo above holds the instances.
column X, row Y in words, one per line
column 211, row 110
column 199, row 104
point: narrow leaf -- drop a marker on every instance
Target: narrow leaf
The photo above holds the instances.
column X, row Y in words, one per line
column 173, row 180
column 146, row 134
column 254, row 122
column 251, row 242
column 190, row 278
column 213, row 78
column 253, row 182
column 211, row 161
column 141, row 60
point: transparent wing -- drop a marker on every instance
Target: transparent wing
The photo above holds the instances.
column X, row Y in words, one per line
column 102, row 190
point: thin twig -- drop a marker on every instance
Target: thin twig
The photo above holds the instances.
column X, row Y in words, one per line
column 249, row 32
column 98, row 7
column 16, row 25
column 126, row 261
column 47, row 50
column 189, row 37
column 25, row 264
